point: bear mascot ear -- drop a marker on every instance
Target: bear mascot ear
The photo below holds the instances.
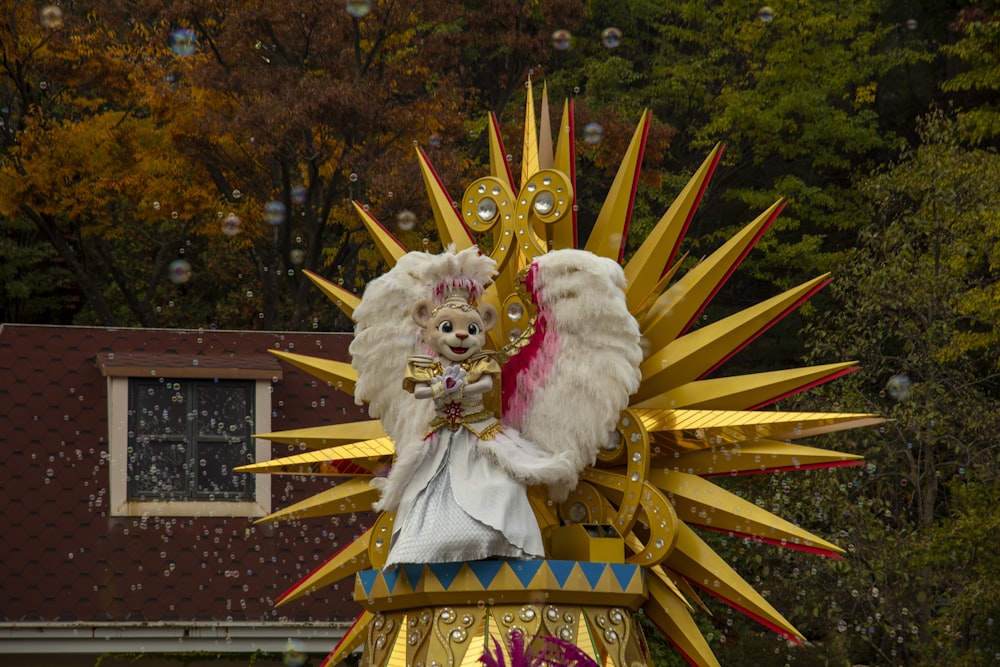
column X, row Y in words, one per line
column 422, row 312
column 489, row 315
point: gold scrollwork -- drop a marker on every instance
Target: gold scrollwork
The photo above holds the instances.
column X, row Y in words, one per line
column 486, row 202
column 662, row 520
column 546, row 197
column 378, row 546
column 583, row 505
column 636, row 441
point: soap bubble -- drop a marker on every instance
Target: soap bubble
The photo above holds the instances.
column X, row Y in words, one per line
column 231, row 225
column 51, row 17
column 765, row 14
column 180, row 271
column 274, row 212
column 183, row 42
column 358, row 8
column 296, row 256
column 299, row 194
column 899, row 387
column 561, row 39
column 611, row 38
column 593, row 133
column 406, row 220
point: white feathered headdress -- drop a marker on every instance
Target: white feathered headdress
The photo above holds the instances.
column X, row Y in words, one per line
column 385, row 335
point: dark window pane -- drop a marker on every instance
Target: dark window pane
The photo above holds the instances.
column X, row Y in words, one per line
column 161, row 409
column 185, row 438
column 215, row 467
column 223, row 410
column 158, row 469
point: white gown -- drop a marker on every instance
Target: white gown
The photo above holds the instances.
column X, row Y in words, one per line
column 457, row 504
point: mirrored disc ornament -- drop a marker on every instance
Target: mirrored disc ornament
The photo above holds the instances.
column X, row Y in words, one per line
column 486, row 210
column 544, row 203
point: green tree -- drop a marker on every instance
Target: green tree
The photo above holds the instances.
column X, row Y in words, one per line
column 931, row 366
column 977, row 82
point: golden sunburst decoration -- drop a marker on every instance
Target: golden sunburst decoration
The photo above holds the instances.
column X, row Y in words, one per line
column 650, row 485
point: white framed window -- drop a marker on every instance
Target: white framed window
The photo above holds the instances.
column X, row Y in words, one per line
column 175, row 433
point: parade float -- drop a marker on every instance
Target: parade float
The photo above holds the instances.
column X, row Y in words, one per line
column 547, row 419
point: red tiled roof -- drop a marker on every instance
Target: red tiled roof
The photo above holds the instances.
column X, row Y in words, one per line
column 66, row 558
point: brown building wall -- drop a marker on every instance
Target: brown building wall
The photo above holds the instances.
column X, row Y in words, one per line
column 66, row 558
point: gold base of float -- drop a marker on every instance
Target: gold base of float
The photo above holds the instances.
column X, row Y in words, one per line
column 449, row 614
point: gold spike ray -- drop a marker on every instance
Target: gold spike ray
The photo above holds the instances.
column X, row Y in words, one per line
column 707, row 427
column 450, row 227
column 499, row 167
column 361, row 453
column 390, row 249
column 608, row 236
column 760, row 456
column 337, row 373
column 545, row 152
column 351, row 640
column 696, row 561
column 328, row 435
column 642, row 310
column 675, row 309
column 529, row 151
column 699, row 352
column 354, row 495
column 343, row 299
column 747, row 392
column 695, row 498
column 563, row 233
column 660, row 247
column 668, row 612
column 348, row 561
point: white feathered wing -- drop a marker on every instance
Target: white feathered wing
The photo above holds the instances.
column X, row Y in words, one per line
column 567, row 394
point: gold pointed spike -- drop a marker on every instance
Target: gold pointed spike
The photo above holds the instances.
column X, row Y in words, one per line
column 328, row 435
column 608, row 236
column 344, row 299
column 760, row 456
column 313, row 463
column 636, row 546
column 352, row 639
column 545, row 153
column 696, row 561
column 354, row 495
column 668, row 613
column 390, row 249
column 562, row 234
column 348, row 561
column 642, row 310
column 450, row 227
column 499, row 167
column 747, row 392
column 701, row 351
column 660, row 247
column 685, row 586
column 338, row 373
column 695, row 497
column 529, row 154
column 704, row 427
column 675, row 310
